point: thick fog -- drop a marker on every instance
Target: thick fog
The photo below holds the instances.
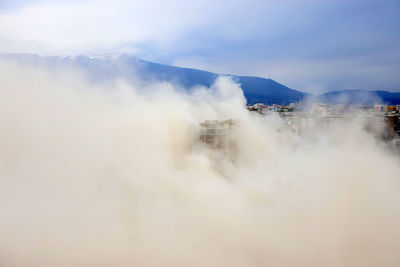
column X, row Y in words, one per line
column 114, row 176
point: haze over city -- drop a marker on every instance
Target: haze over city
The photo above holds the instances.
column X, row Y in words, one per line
column 172, row 133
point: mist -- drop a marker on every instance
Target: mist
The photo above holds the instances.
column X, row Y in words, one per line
column 114, row 175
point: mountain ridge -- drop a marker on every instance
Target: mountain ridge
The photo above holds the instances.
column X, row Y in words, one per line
column 255, row 89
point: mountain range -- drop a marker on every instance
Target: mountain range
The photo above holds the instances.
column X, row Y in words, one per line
column 256, row 89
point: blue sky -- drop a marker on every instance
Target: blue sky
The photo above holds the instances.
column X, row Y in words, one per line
column 309, row 45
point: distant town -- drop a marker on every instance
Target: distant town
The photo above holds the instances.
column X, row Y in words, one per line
column 381, row 120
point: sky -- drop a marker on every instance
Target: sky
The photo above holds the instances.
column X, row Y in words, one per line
column 310, row 45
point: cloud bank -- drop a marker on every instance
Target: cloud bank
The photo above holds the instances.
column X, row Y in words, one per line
column 112, row 176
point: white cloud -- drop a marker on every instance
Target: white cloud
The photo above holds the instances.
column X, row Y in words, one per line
column 94, row 25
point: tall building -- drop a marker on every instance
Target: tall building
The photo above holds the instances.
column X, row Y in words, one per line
column 380, row 108
column 217, row 134
column 319, row 109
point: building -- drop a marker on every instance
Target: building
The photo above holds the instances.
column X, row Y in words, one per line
column 217, row 134
column 319, row 109
column 380, row 108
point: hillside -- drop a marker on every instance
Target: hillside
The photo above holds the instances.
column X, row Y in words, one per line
column 358, row 97
column 103, row 68
column 106, row 68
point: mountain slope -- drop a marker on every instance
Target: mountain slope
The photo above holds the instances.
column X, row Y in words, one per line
column 358, row 97
column 107, row 68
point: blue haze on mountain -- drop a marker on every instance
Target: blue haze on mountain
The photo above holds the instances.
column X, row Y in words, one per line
column 358, row 97
column 256, row 90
